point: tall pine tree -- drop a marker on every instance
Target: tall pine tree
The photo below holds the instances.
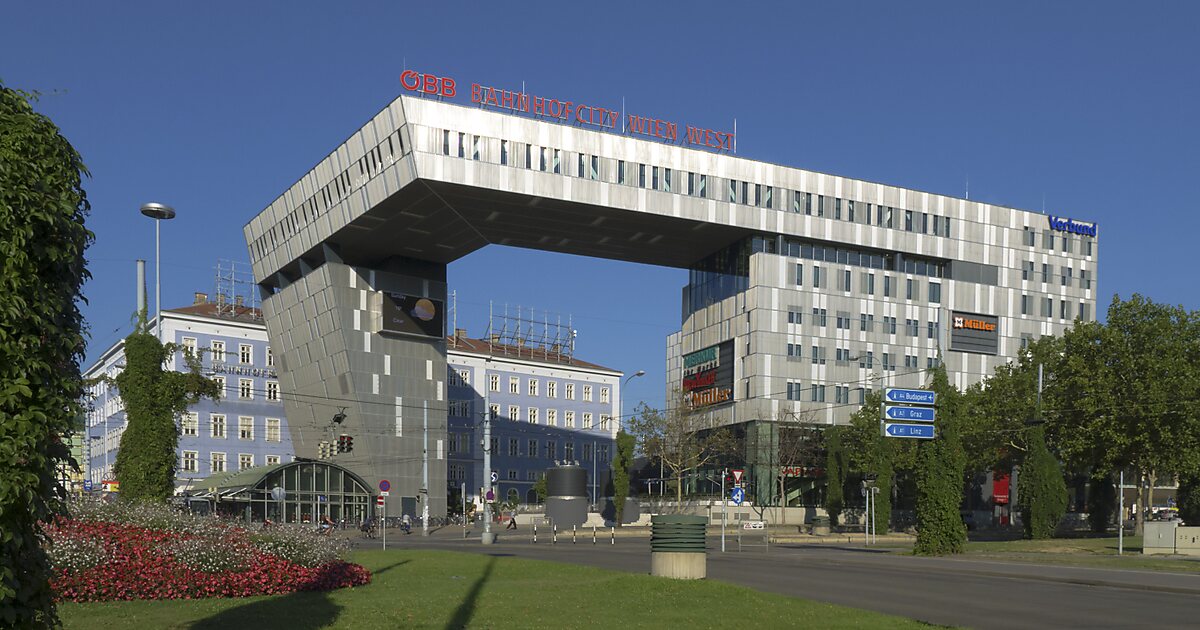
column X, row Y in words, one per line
column 941, row 463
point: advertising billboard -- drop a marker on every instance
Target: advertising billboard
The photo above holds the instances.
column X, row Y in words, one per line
column 970, row 332
column 708, row 375
column 413, row 315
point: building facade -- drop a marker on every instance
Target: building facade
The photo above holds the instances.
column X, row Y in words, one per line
column 546, row 407
column 243, row 429
column 806, row 289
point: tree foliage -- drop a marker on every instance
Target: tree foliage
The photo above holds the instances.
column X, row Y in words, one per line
column 1102, row 502
column 1188, row 498
column 621, row 465
column 681, row 437
column 874, row 455
column 1126, row 392
column 1041, row 491
column 941, row 464
column 836, row 468
column 42, row 242
column 153, row 397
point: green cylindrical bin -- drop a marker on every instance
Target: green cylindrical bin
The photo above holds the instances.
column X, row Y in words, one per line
column 820, row 526
column 677, row 533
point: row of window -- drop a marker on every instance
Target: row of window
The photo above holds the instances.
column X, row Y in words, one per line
column 593, row 167
column 370, row 164
column 549, row 449
column 216, row 351
column 844, row 356
column 189, row 461
column 217, row 426
column 1066, row 277
column 816, row 392
column 844, row 281
column 245, row 389
column 1029, row 238
column 866, row 322
column 533, row 388
column 534, row 416
column 1065, row 308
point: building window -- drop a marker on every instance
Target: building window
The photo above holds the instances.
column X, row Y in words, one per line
column 817, row 393
column 793, row 390
column 866, row 322
column 533, row 415
column 245, row 354
column 587, row 393
column 820, row 317
column 189, row 346
column 245, row 388
column 842, row 321
column 1048, row 240
column 569, row 419
column 512, row 475
column 1045, row 273
column 552, row 417
column 935, row 293
column 190, row 424
column 1068, row 275
column 818, row 355
column 494, row 410
column 912, row 327
column 569, row 451
column 514, row 448
column 908, row 221
column 933, row 330
column 587, row 420
column 605, row 422
column 245, row 461
column 189, row 463
column 273, row 391
column 551, row 449
column 1024, row 304
column 216, row 462
column 570, row 393
column 1047, row 307
column 604, row 395
column 245, row 427
column 272, row 460
column 218, row 351
column 1085, row 312
column 504, row 153
column 1027, row 236
column 217, row 420
column 867, row 361
column 1064, row 309
column 514, row 413
column 273, row 432
column 514, row 385
column 908, row 288
column 494, row 382
column 795, row 317
column 551, row 389
column 533, row 387
column 888, row 290
column 462, row 145
column 816, row 277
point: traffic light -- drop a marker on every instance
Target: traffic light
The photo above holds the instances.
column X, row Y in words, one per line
column 345, row 443
column 323, row 450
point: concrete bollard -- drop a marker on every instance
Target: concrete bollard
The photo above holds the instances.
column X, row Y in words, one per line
column 593, row 534
column 614, row 535
column 535, row 532
column 554, row 534
column 572, row 534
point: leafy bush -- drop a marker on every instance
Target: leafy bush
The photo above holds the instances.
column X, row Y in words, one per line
column 1041, row 490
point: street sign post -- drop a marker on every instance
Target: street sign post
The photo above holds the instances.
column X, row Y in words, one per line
column 918, row 431
column 910, row 396
column 384, row 493
column 738, row 495
column 737, row 475
column 909, row 414
column 495, row 476
column 384, row 485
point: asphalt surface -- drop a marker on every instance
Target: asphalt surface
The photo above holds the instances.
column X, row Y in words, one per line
column 943, row 591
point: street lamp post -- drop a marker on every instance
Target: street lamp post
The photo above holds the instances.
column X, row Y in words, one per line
column 627, row 379
column 159, row 212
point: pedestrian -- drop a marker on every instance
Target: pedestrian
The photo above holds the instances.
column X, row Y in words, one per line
column 327, row 525
column 512, row 520
column 406, row 523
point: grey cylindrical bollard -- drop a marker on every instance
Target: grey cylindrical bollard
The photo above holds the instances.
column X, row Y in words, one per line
column 677, row 546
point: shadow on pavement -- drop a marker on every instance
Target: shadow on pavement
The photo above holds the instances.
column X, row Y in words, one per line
column 465, row 610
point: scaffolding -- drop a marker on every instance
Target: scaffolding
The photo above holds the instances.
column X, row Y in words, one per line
column 520, row 332
column 236, row 295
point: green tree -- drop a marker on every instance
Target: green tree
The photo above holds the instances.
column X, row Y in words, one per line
column 1188, row 498
column 835, row 474
column 42, row 240
column 153, row 398
column 872, row 454
column 1124, row 395
column 679, row 437
column 941, row 464
column 1041, row 491
column 1102, row 502
column 621, row 465
column 539, row 487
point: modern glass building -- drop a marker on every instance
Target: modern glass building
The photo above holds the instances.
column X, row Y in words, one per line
column 306, row 491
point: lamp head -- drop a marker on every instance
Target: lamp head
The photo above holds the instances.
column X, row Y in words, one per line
column 158, row 211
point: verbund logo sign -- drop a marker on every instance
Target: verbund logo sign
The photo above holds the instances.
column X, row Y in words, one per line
column 1067, row 225
column 571, row 112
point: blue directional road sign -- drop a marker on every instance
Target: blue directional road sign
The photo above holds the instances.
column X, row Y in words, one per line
column 911, row 414
column 738, row 495
column 918, row 431
column 910, row 396
column 87, row 485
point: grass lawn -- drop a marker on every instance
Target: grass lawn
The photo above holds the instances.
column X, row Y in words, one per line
column 420, row 589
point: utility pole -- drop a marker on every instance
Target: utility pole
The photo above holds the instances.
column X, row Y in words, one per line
column 425, row 473
column 1121, row 514
column 724, row 508
column 488, row 537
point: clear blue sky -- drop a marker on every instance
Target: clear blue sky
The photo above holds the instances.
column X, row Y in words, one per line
column 1086, row 108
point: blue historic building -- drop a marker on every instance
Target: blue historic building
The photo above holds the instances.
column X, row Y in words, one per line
column 245, row 428
column 547, row 407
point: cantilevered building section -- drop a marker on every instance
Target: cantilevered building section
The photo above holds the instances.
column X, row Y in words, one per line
column 806, row 289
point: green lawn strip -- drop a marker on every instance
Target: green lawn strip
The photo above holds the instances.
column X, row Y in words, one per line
column 1084, row 552
column 438, row 589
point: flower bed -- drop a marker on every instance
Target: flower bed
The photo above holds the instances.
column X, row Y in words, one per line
column 149, row 552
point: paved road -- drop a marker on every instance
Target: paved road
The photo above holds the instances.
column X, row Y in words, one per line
column 947, row 591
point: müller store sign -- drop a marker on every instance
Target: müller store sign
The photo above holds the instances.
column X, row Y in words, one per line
column 571, row 112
